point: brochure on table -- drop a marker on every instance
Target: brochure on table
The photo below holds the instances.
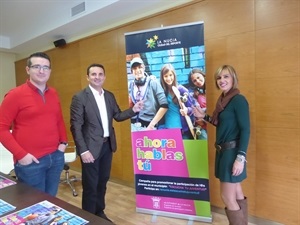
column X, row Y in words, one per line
column 44, row 213
column 5, row 182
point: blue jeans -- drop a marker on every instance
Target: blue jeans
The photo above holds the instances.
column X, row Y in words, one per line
column 44, row 175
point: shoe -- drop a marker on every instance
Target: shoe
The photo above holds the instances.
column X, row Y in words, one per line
column 103, row 216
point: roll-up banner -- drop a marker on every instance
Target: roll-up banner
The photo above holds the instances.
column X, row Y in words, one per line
column 166, row 70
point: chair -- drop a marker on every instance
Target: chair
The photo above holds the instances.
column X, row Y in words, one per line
column 6, row 161
column 70, row 156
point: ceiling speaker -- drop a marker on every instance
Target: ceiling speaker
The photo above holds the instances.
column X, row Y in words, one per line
column 59, row 43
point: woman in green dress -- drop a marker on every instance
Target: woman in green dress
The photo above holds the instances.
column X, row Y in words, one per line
column 232, row 122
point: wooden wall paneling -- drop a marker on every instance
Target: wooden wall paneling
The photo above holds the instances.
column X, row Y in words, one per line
column 277, row 102
column 65, row 77
column 277, row 69
column 21, row 74
column 94, row 49
column 277, row 178
column 99, row 49
column 225, row 18
column 240, row 49
column 277, row 51
column 277, row 148
column 215, row 54
column 269, row 13
column 236, row 50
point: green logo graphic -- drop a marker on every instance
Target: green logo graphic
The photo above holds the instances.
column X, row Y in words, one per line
column 151, row 43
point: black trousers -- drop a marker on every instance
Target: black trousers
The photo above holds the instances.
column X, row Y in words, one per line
column 94, row 180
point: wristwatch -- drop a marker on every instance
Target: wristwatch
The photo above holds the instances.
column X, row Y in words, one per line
column 63, row 143
column 240, row 158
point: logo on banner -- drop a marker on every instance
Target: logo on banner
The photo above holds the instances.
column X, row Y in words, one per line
column 151, row 43
column 156, row 202
column 156, row 42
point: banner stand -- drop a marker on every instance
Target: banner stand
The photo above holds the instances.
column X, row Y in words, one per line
column 170, row 151
column 190, row 218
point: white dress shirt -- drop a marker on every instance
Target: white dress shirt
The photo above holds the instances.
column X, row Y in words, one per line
column 102, row 109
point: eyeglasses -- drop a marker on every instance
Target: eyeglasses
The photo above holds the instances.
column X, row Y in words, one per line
column 39, row 67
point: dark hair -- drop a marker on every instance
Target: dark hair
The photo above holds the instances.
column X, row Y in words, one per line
column 165, row 69
column 38, row 55
column 94, row 65
column 196, row 70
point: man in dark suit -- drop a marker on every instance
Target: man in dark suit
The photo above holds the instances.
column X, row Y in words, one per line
column 92, row 113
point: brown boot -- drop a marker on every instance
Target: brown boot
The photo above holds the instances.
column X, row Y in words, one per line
column 235, row 217
column 243, row 203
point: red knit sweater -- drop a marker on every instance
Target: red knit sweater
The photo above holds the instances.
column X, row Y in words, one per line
column 37, row 120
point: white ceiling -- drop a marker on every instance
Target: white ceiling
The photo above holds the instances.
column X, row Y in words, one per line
column 33, row 25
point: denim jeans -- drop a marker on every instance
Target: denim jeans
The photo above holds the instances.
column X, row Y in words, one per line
column 44, row 175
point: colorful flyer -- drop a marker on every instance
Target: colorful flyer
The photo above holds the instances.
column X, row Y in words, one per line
column 5, row 207
column 42, row 213
column 5, row 182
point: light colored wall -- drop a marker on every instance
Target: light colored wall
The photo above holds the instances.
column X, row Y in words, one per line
column 7, row 73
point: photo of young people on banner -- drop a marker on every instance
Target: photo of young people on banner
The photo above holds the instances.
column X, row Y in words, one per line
column 169, row 91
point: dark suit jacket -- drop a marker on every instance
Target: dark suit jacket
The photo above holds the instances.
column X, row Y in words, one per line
column 86, row 125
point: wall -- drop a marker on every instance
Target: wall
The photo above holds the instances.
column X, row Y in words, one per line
column 260, row 38
column 7, row 73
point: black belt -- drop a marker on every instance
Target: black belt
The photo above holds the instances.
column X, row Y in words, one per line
column 105, row 139
column 226, row 145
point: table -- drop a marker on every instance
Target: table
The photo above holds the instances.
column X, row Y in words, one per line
column 22, row 195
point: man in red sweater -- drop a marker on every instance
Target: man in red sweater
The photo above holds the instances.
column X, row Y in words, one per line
column 38, row 138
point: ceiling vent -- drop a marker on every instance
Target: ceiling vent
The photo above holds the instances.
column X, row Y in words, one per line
column 78, row 9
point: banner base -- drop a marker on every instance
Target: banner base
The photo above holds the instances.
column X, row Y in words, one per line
column 190, row 218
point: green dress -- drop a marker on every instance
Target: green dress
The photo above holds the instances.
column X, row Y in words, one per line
column 233, row 124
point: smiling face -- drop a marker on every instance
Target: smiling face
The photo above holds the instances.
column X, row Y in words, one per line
column 224, row 81
column 198, row 79
column 96, row 77
column 138, row 70
column 169, row 78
